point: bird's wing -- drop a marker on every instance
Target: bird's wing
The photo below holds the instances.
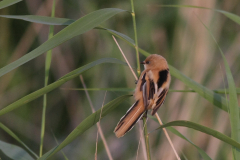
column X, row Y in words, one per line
column 159, row 99
column 148, row 88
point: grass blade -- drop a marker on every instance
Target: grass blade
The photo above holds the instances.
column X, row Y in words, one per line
column 47, row 69
column 65, row 157
column 14, row 152
column 80, row 26
column 206, row 93
column 41, row 19
column 204, row 129
column 63, row 21
column 56, row 84
column 17, row 139
column 102, row 89
column 119, row 35
column 174, row 131
column 86, row 124
column 220, row 91
column 231, row 16
column 7, row 3
column 204, row 155
column 233, row 101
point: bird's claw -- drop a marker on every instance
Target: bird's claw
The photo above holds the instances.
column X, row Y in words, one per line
column 144, row 115
column 136, row 81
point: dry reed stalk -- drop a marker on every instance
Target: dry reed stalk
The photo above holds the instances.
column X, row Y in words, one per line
column 98, row 124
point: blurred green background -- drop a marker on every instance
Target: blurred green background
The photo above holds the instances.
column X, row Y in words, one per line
column 175, row 33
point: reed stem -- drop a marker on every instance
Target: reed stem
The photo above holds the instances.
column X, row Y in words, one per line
column 139, row 72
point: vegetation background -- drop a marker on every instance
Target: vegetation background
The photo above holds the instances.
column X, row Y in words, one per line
column 175, row 33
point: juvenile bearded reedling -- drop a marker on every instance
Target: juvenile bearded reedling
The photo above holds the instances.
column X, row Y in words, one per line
column 150, row 92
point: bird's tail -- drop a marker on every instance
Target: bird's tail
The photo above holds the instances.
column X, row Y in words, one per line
column 132, row 116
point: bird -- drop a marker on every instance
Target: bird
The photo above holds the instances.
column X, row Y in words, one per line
column 150, row 92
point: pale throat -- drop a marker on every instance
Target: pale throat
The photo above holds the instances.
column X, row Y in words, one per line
column 144, row 66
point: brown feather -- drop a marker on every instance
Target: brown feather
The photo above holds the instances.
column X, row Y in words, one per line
column 160, row 101
column 132, row 116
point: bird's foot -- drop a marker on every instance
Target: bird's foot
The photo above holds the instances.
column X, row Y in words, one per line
column 145, row 114
column 136, row 81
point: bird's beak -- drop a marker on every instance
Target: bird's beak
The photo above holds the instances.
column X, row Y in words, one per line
column 142, row 62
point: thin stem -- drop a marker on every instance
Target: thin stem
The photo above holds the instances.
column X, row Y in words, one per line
column 98, row 124
column 146, row 138
column 47, row 68
column 125, row 59
column 139, row 72
column 135, row 36
column 225, row 90
column 141, row 140
column 144, row 119
column 166, row 134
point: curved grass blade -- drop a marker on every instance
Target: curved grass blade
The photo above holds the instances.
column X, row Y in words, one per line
column 64, row 155
column 221, row 91
column 102, row 89
column 14, row 152
column 204, row 129
column 7, row 3
column 233, row 101
column 80, row 26
column 17, row 139
column 63, row 21
column 56, row 84
column 204, row 155
column 174, row 131
column 119, row 35
column 86, row 124
column 41, row 19
column 231, row 16
column 206, row 93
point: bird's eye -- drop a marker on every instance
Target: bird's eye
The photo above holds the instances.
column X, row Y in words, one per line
column 147, row 62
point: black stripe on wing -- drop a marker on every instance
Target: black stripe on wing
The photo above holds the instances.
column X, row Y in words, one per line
column 151, row 90
column 144, row 88
column 163, row 75
column 143, row 81
column 160, row 101
column 145, row 95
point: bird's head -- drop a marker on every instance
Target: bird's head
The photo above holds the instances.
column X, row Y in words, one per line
column 155, row 61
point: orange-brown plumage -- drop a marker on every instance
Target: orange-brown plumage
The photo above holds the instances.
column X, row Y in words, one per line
column 150, row 92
